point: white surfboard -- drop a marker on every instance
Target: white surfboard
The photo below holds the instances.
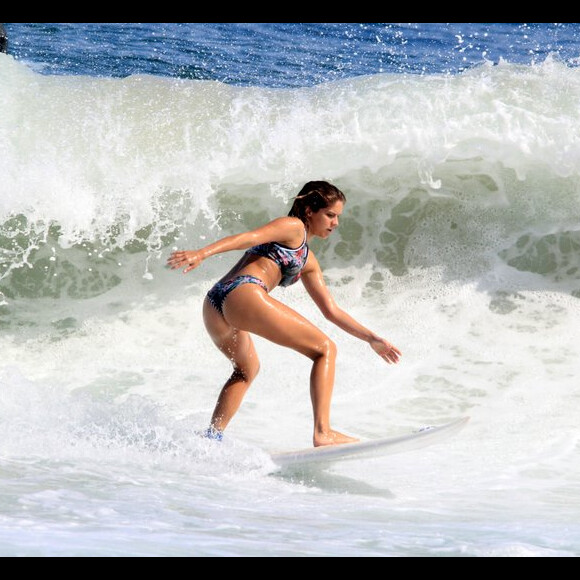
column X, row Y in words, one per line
column 371, row 448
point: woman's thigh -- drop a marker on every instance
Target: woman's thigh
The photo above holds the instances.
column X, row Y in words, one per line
column 236, row 344
column 249, row 308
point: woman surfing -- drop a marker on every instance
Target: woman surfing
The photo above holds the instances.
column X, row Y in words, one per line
column 240, row 304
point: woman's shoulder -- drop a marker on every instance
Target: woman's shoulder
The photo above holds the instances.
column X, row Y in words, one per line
column 289, row 227
column 290, row 221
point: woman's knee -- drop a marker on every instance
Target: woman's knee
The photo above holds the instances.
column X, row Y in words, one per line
column 248, row 370
column 253, row 370
column 326, row 349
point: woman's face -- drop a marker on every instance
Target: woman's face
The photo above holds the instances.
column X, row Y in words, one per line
column 324, row 221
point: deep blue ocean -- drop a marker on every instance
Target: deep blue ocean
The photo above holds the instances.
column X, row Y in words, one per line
column 284, row 55
column 458, row 148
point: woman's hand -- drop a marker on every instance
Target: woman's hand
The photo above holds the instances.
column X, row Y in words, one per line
column 386, row 350
column 187, row 259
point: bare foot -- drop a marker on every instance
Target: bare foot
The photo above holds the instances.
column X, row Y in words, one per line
column 332, row 438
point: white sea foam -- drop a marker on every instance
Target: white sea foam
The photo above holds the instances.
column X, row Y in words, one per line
column 459, row 243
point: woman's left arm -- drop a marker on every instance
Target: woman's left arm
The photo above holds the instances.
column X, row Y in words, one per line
column 317, row 289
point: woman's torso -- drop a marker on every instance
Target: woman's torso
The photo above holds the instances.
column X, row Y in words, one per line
column 273, row 263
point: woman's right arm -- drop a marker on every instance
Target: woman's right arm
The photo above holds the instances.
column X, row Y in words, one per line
column 283, row 230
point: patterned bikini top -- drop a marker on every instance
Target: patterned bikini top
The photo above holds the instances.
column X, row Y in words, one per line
column 290, row 261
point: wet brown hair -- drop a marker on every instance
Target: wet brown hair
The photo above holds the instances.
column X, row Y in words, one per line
column 315, row 195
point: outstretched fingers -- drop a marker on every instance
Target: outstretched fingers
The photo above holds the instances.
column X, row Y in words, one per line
column 184, row 259
column 386, row 351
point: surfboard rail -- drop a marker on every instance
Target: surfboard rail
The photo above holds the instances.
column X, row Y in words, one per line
column 370, row 448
